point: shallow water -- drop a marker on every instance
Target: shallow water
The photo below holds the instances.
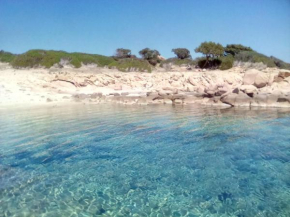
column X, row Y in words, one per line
column 144, row 161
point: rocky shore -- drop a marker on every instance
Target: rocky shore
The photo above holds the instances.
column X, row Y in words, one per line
column 269, row 87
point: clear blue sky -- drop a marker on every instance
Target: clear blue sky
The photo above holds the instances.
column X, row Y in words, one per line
column 101, row 26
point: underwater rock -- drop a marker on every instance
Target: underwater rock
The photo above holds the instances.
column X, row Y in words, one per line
column 224, row 196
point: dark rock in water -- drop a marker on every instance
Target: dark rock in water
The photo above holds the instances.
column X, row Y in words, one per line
column 224, row 196
column 100, row 211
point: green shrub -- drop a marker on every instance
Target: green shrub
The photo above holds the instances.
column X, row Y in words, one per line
column 280, row 64
column 130, row 64
column 152, row 56
column 123, row 53
column 205, row 64
column 6, row 57
column 178, row 62
column 234, row 49
column 210, row 49
column 226, row 62
column 181, row 53
column 47, row 59
column 254, row 57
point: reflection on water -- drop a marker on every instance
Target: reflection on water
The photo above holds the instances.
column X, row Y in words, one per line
column 144, row 161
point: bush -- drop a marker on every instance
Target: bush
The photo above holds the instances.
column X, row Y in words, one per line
column 152, row 56
column 47, row 59
column 234, row 49
column 280, row 64
column 210, row 49
column 254, row 57
column 249, row 65
column 178, row 62
column 6, row 56
column 206, row 64
column 181, row 53
column 129, row 64
column 123, row 53
column 227, row 62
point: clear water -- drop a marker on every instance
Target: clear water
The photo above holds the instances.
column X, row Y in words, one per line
column 144, row 161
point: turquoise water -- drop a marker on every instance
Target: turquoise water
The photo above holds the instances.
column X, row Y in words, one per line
column 144, row 161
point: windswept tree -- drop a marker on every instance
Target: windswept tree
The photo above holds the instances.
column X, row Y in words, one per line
column 211, row 50
column 234, row 49
column 181, row 53
column 123, row 53
column 152, row 56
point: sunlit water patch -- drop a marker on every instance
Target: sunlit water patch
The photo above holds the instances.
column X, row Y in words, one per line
column 144, row 161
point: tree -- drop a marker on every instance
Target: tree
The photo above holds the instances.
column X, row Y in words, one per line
column 234, row 49
column 181, row 53
column 152, row 56
column 211, row 50
column 123, row 53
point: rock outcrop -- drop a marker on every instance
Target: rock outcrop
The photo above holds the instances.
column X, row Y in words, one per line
column 234, row 87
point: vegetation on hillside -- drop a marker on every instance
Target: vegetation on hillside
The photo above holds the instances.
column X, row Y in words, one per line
column 280, row 63
column 226, row 62
column 47, row 59
column 212, row 52
column 234, row 49
column 178, row 62
column 152, row 56
column 181, row 53
column 123, row 53
column 215, row 56
column 131, row 64
column 254, row 57
column 6, row 57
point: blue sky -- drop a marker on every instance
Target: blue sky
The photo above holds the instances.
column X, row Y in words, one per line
column 101, row 26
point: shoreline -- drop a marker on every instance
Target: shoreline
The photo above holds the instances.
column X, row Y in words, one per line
column 237, row 87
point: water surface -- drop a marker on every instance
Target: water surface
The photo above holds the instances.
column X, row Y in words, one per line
column 108, row 160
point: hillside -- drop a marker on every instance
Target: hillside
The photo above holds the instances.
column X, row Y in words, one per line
column 49, row 58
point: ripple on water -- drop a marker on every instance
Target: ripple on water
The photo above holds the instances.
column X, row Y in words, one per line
column 144, row 161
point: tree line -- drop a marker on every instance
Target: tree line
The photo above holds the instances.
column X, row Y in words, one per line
column 212, row 52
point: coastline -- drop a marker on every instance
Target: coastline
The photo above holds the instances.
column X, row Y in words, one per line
column 237, row 87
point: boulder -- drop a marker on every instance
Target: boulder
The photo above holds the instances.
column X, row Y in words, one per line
column 236, row 90
column 261, row 80
column 229, row 99
column 249, row 89
column 260, row 99
column 222, row 90
column 284, row 74
column 243, row 99
column 192, row 81
column 230, row 79
column 287, row 79
column 278, row 79
column 272, row 98
column 250, row 76
column 234, row 99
